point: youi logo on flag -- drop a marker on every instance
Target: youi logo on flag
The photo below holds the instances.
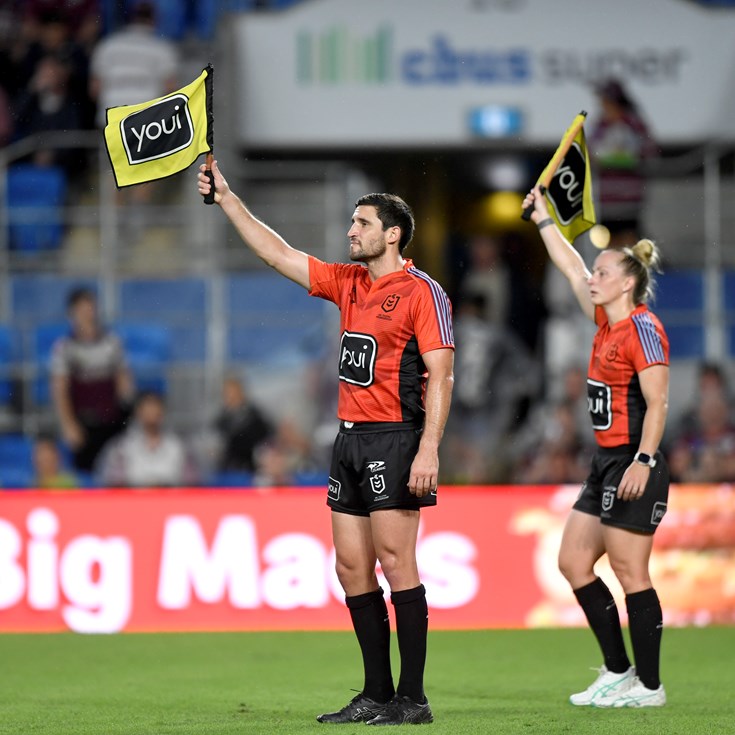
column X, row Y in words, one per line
column 566, row 182
column 159, row 138
column 159, row 130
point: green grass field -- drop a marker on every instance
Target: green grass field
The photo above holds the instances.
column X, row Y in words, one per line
column 500, row 682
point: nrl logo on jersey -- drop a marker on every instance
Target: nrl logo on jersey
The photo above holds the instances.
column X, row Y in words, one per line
column 390, row 302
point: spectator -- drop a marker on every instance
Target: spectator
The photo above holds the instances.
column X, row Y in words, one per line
column 495, row 378
column 707, row 453
column 621, row 146
column 147, row 454
column 6, row 118
column 488, row 275
column 91, row 385
column 242, row 427
column 47, row 106
column 558, row 454
column 50, row 35
column 129, row 66
column 286, row 456
column 83, row 18
column 711, row 380
column 48, row 466
column 133, row 65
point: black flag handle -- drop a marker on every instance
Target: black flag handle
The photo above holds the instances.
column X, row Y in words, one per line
column 209, row 198
column 528, row 211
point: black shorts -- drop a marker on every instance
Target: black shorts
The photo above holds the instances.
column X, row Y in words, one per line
column 371, row 465
column 599, row 492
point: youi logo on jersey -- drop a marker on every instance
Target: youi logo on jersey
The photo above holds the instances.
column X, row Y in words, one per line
column 357, row 358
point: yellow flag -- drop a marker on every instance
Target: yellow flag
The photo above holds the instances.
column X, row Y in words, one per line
column 568, row 183
column 155, row 139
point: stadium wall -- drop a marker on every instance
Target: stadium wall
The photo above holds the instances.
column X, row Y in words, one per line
column 212, row 560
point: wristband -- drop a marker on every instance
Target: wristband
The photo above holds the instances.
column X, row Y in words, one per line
column 545, row 223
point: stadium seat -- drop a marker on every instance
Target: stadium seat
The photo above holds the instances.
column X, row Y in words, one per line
column 148, row 350
column 177, row 18
column 9, row 354
column 272, row 319
column 16, row 461
column 35, row 207
column 729, row 292
column 43, row 341
column 178, row 304
column 232, row 479
column 259, row 293
column 38, row 299
column 680, row 291
column 685, row 340
column 15, row 478
column 679, row 303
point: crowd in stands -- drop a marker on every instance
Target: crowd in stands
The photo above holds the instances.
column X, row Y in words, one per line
column 517, row 417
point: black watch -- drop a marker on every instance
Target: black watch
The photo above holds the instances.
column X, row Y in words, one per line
column 645, row 459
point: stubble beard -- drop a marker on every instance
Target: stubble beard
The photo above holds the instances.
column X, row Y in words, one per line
column 376, row 249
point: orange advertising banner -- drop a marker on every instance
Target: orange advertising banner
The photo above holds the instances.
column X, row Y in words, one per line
column 195, row 560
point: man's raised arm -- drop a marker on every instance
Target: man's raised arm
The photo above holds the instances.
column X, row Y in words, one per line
column 267, row 244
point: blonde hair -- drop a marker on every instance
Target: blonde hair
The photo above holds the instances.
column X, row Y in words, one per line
column 639, row 261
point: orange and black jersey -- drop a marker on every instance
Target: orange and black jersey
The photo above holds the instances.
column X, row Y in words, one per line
column 386, row 325
column 619, row 353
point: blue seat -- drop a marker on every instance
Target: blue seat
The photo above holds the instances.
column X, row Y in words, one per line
column 35, row 202
column 232, row 479
column 16, row 450
column 685, row 340
column 9, row 354
column 178, row 304
column 272, row 319
column 35, row 299
column 44, row 338
column 176, row 18
column 153, row 297
column 16, row 461
column 680, row 291
column 148, row 351
column 728, row 286
column 267, row 293
column 312, row 478
column 16, row 478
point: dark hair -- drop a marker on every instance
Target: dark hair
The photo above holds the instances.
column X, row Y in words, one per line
column 149, row 395
column 392, row 212
column 638, row 261
column 143, row 11
column 613, row 90
column 81, row 293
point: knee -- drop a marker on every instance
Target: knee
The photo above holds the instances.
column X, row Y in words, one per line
column 577, row 571
column 632, row 576
column 353, row 575
column 567, row 565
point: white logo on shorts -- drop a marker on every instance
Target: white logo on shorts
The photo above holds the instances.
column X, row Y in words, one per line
column 659, row 510
column 334, row 487
column 377, row 483
column 608, row 498
column 375, row 466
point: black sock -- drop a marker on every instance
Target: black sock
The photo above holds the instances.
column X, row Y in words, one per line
column 369, row 615
column 645, row 622
column 412, row 625
column 602, row 615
